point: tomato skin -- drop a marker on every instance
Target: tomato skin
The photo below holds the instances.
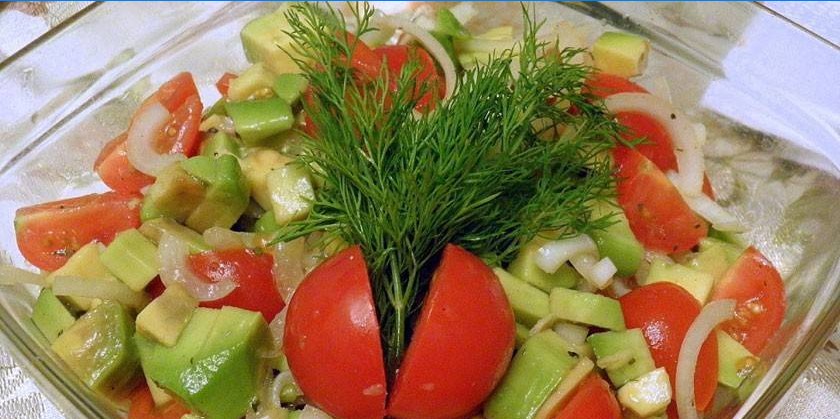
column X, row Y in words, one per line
column 143, row 406
column 427, row 77
column 602, row 85
column 366, row 63
column 116, row 171
column 658, row 215
column 180, row 134
column 174, row 92
column 48, row 234
column 664, row 312
column 657, row 146
column 223, row 84
column 461, row 345
column 332, row 339
column 758, row 289
column 593, row 399
column 251, row 271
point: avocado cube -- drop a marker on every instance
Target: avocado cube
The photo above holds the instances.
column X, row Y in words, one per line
column 617, row 241
column 622, row 54
column 166, row 316
column 221, row 143
column 265, row 39
column 290, row 87
column 154, row 229
column 256, row 165
column 529, row 304
column 648, row 395
column 99, row 349
column 699, row 284
column 586, row 308
column 132, row 258
column 174, row 195
column 291, row 191
column 624, row 355
column 736, row 363
column 525, row 268
column 226, row 195
column 251, row 83
column 266, row 223
column 538, row 367
column 522, row 334
column 50, row 315
column 258, row 119
column 85, row 263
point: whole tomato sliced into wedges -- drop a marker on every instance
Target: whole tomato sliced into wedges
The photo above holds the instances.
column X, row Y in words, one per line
column 116, row 171
column 758, row 289
column 250, row 270
column 428, row 81
column 143, row 406
column 593, row 398
column 332, row 339
column 664, row 312
column 462, row 342
column 658, row 215
column 48, row 234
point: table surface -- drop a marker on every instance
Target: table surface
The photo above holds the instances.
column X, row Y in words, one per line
column 816, row 395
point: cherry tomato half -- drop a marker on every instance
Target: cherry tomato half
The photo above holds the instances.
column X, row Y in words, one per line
column 603, row 85
column 593, row 398
column 223, row 84
column 143, row 406
column 427, row 78
column 116, row 171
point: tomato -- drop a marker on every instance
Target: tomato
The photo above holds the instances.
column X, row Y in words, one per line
column 366, row 63
column 592, row 399
column 664, row 312
column 180, row 97
column 332, row 339
column 250, row 270
column 427, row 78
column 223, row 84
column 462, row 342
column 116, row 171
column 658, row 215
column 143, row 406
column 603, row 85
column 758, row 289
column 174, row 93
column 48, row 234
column 656, row 146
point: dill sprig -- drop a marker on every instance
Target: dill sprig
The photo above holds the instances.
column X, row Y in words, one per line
column 474, row 172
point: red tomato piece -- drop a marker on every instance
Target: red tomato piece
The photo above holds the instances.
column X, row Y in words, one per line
column 603, row 85
column 116, row 171
column 462, row 342
column 143, row 406
column 664, row 312
column 48, row 234
column 758, row 289
column 155, row 288
column 657, row 146
column 658, row 215
column 427, row 78
column 174, row 92
column 250, row 270
column 593, row 399
column 180, row 134
column 366, row 63
column 223, row 84
column 332, row 339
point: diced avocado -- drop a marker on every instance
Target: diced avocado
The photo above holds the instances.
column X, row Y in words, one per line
column 711, row 260
column 735, row 362
column 529, row 304
column 699, row 284
column 291, row 191
column 215, row 365
column 265, row 38
column 256, row 120
column 132, row 258
column 569, row 383
column 525, row 268
column 538, row 367
column 727, row 237
column 50, row 315
column 522, row 334
column 166, row 316
column 731, row 251
column 290, row 87
column 154, row 229
column 221, row 143
column 617, row 241
column 256, row 165
column 586, row 308
column 99, row 349
column 648, row 395
column 622, row 54
column 85, row 263
column 174, row 194
column 227, row 191
column 218, row 108
column 624, row 355
column 255, row 82
column 266, row 223
column 751, row 382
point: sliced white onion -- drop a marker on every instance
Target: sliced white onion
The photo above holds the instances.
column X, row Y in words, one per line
column 173, row 255
column 431, row 44
column 104, row 289
column 464, row 12
column 572, row 333
column 10, row 275
column 282, row 380
column 709, row 318
column 312, row 412
column 601, row 273
column 289, row 269
column 659, row 87
column 555, row 253
column 686, row 147
column 712, row 212
column 619, row 287
column 277, row 326
column 150, row 119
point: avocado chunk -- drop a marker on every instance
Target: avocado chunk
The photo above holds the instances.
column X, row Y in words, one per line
column 132, row 258
column 569, row 383
column 538, row 367
column 154, row 229
column 50, row 315
column 265, row 39
column 254, row 82
column 624, row 355
column 617, row 241
column 622, row 54
column 219, row 144
column 648, row 395
column 522, row 334
column 266, row 223
column 98, row 348
column 697, row 283
column 215, row 365
column 736, row 363
column 291, row 191
column 166, row 316
column 85, row 263
column 256, row 165
column 586, row 308
column 525, row 268
column 174, row 194
column 258, row 119
column 529, row 304
column 290, row 87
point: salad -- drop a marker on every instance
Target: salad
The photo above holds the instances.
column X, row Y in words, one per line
column 394, row 216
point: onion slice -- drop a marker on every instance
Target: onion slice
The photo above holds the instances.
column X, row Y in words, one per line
column 282, row 380
column 142, row 133
column 289, row 269
column 711, row 211
column 312, row 412
column 11, row 275
column 555, row 253
column 709, row 318
column 173, row 255
column 104, row 289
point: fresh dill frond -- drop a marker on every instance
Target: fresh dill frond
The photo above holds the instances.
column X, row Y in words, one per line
column 473, row 172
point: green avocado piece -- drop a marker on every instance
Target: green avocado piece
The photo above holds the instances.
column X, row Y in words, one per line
column 529, row 304
column 227, row 192
column 256, row 81
column 154, row 229
column 622, row 54
column 258, row 119
column 624, row 355
column 266, row 223
column 99, row 349
column 697, row 283
column 736, row 363
column 85, row 263
column 221, row 143
column 525, row 268
column 215, row 366
column 290, row 87
column 132, row 258
column 265, row 39
column 51, row 316
column 538, row 367
column 174, row 194
column 586, row 308
column 617, row 241
column 522, row 334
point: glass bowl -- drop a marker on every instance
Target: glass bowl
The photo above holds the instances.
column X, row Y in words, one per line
column 765, row 89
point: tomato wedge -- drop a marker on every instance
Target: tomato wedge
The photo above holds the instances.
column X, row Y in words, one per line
column 223, row 84
column 664, row 312
column 593, row 398
column 180, row 97
column 657, row 146
column 252, row 273
column 174, row 92
column 116, row 171
column 758, row 289
column 332, row 339
column 658, row 215
column 143, row 406
column 603, row 85
column 48, row 234
column 462, row 342
column 428, row 81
